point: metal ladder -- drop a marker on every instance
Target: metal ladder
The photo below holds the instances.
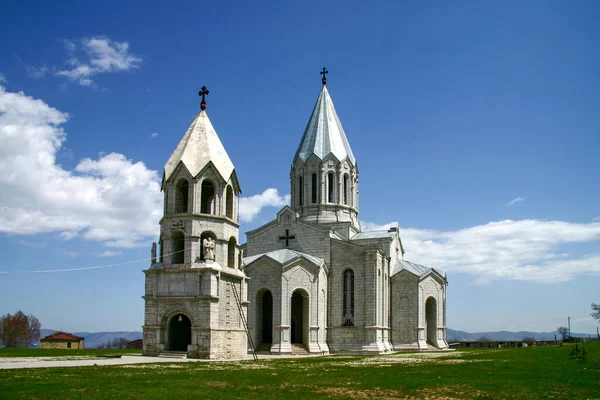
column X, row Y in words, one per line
column 243, row 318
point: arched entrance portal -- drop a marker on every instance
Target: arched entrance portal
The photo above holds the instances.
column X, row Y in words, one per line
column 299, row 317
column 180, row 333
column 265, row 322
column 431, row 320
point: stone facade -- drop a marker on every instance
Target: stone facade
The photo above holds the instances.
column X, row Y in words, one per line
column 311, row 278
column 313, row 270
column 195, row 293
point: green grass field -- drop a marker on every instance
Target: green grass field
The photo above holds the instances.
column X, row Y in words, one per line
column 530, row 373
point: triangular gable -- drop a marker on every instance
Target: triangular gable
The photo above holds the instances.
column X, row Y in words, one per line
column 284, row 257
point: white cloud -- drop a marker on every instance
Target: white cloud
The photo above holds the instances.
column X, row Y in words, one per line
column 251, row 206
column 99, row 55
column 526, row 250
column 36, row 72
column 153, row 135
column 2, row 78
column 109, row 253
column 109, row 199
column 68, row 235
column 515, row 201
column 36, row 245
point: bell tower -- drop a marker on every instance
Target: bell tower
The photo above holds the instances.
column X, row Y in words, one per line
column 195, row 297
column 324, row 173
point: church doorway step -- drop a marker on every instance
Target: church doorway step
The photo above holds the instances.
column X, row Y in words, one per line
column 265, row 317
column 431, row 321
column 180, row 333
column 299, row 317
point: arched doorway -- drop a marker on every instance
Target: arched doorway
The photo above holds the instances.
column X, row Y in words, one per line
column 265, row 316
column 431, row 320
column 180, row 333
column 299, row 317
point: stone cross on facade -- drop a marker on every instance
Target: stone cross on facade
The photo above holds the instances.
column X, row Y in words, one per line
column 178, row 225
column 287, row 237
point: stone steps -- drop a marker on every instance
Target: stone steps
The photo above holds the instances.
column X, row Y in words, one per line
column 299, row 349
column 173, row 354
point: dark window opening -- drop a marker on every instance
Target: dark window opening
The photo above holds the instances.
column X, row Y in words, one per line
column 314, row 188
column 207, row 200
column 181, row 196
column 231, row 253
column 300, row 191
column 331, row 186
column 346, row 189
column 348, row 303
column 229, row 203
column 178, row 248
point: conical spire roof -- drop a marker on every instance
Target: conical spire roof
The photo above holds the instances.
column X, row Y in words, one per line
column 324, row 133
column 199, row 146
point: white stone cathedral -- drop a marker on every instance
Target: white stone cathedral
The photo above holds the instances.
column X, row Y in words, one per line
column 310, row 280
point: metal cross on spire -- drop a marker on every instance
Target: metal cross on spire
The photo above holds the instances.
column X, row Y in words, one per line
column 203, row 92
column 324, row 73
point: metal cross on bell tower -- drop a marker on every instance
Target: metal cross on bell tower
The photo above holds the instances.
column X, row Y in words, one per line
column 203, row 92
column 324, row 73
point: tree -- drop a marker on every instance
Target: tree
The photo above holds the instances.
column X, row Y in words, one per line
column 19, row 330
column 483, row 339
column 564, row 332
column 528, row 340
column 596, row 311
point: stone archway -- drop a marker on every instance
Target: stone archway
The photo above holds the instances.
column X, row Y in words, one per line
column 265, row 317
column 179, row 332
column 431, row 320
column 299, row 320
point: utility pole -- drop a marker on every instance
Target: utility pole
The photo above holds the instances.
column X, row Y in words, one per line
column 569, row 319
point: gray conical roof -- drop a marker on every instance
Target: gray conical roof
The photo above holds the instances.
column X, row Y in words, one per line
column 199, row 146
column 324, row 133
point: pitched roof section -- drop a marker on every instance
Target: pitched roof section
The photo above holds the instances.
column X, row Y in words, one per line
column 62, row 336
column 284, row 256
column 199, row 146
column 324, row 133
column 374, row 235
column 416, row 269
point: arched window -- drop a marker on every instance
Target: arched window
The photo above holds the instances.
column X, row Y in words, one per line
column 177, row 248
column 161, row 250
column 300, row 191
column 348, row 303
column 181, row 196
column 346, row 189
column 231, row 253
column 330, row 187
column 314, row 188
column 229, row 203
column 207, row 199
column 206, row 235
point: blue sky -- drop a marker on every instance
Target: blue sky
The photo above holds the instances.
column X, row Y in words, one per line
column 475, row 126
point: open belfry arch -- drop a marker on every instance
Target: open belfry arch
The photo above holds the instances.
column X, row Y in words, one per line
column 196, row 293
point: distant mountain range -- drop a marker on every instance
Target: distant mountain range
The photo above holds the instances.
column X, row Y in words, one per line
column 93, row 340
column 462, row 336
